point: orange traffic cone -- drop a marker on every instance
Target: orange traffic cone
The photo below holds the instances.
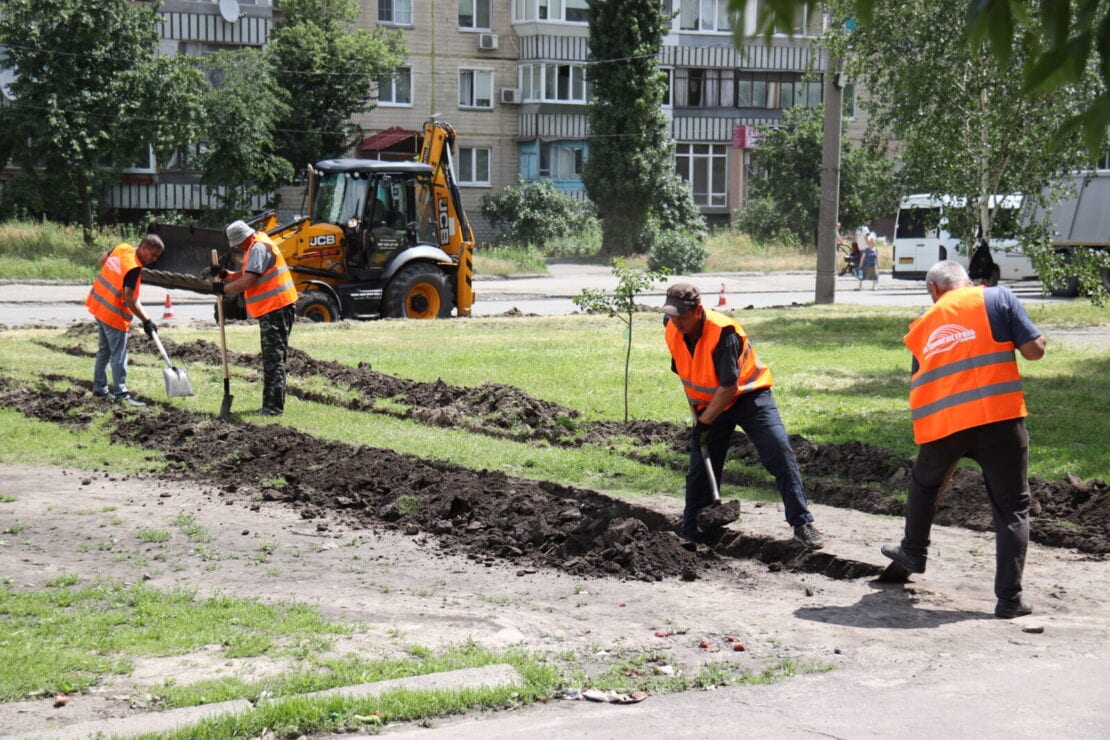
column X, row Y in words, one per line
column 167, row 312
column 721, row 301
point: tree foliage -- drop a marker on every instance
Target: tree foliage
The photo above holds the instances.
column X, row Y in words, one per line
column 1052, row 45
column 784, row 204
column 91, row 97
column 240, row 159
column 328, row 67
column 629, row 145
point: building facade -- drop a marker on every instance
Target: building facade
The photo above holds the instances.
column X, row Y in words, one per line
column 512, row 77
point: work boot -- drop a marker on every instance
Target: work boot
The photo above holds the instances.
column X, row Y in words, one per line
column 909, row 562
column 1010, row 608
column 101, row 393
column 808, row 535
column 267, row 411
column 127, row 400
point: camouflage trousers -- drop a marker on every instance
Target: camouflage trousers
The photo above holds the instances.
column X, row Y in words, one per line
column 274, row 329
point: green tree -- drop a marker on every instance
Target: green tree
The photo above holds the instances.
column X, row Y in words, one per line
column 784, row 204
column 969, row 127
column 621, row 304
column 328, row 67
column 629, row 145
column 1070, row 38
column 242, row 110
column 91, row 97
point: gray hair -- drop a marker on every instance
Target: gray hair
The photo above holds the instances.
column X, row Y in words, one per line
column 948, row 275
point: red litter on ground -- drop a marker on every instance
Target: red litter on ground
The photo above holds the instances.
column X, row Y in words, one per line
column 704, row 644
column 738, row 647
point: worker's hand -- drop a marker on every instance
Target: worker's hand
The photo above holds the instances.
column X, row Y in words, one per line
column 149, row 328
column 218, row 287
column 701, row 433
column 215, row 271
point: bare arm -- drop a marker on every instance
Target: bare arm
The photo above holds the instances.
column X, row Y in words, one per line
column 133, row 304
column 720, row 401
column 1033, row 349
column 241, row 283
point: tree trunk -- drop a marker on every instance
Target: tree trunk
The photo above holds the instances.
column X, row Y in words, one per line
column 86, row 205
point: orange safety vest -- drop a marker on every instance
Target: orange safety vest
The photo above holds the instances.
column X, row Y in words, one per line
column 275, row 288
column 105, row 300
column 697, row 371
column 964, row 378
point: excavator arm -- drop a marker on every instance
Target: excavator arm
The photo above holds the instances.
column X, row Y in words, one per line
column 456, row 238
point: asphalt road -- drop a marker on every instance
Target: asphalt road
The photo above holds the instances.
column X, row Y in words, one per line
column 24, row 304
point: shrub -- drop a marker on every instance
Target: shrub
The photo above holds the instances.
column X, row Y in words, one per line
column 535, row 213
column 677, row 252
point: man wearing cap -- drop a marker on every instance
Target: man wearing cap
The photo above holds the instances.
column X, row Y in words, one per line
column 270, row 294
column 727, row 386
column 114, row 301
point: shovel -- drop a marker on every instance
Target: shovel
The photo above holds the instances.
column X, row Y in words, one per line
column 177, row 382
column 225, row 406
column 717, row 514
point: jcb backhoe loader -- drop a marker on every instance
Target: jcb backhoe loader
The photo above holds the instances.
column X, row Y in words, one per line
column 378, row 239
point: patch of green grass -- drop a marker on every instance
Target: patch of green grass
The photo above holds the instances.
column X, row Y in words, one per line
column 152, row 535
column 503, row 261
column 63, row 639
column 187, row 523
column 14, row 528
column 6, row 499
column 406, row 504
column 64, row 581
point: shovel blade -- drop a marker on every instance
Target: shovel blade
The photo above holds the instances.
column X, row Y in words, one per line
column 225, row 408
column 177, row 382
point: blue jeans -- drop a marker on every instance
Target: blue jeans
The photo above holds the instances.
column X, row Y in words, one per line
column 112, row 350
column 757, row 414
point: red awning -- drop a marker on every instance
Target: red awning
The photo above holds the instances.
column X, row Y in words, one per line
column 385, row 139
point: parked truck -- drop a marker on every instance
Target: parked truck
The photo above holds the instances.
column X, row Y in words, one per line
column 377, row 240
column 1080, row 222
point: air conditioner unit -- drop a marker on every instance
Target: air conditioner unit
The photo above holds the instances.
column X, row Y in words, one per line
column 487, row 41
column 510, row 95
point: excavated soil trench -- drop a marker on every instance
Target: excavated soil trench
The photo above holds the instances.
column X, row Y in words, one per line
column 488, row 515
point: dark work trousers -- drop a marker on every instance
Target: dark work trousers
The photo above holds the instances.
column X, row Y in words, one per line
column 274, row 329
column 757, row 414
column 1002, row 451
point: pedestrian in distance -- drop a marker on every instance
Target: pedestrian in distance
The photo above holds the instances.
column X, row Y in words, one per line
column 966, row 400
column 113, row 301
column 869, row 264
column 270, row 294
column 727, row 386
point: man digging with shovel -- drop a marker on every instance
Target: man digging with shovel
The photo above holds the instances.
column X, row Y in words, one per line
column 727, row 386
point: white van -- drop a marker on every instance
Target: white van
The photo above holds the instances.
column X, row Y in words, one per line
column 921, row 237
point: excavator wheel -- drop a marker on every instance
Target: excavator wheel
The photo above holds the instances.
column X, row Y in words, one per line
column 316, row 305
column 418, row 291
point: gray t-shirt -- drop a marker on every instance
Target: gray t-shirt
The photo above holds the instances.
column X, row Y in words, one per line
column 259, row 258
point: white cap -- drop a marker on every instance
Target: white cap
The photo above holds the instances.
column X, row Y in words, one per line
column 238, row 232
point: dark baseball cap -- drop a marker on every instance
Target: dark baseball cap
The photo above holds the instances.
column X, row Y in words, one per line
column 681, row 297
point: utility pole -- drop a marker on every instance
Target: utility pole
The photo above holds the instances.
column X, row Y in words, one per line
column 827, row 213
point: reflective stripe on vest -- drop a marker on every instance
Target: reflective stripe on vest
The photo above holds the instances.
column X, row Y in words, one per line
column 697, row 371
column 106, row 300
column 275, row 288
column 964, row 378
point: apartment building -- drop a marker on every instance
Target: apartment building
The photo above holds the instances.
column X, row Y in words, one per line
column 512, row 77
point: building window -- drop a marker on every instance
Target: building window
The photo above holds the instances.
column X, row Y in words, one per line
column 475, row 89
column 776, row 90
column 395, row 12
column 562, row 160
column 704, row 167
column 705, row 15
column 563, row 83
column 809, row 19
column 396, row 89
column 704, row 88
column 571, row 11
column 474, row 166
column 474, row 13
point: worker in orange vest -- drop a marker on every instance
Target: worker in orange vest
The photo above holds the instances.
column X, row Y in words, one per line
column 270, row 294
column 113, row 301
column 966, row 400
column 727, row 386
